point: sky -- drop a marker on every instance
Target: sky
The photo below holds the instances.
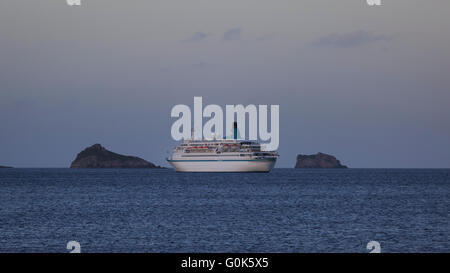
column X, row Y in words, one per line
column 369, row 85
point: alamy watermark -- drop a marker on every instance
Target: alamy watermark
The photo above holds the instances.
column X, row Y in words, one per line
column 78, row 2
column 374, row 247
column 374, row 2
column 214, row 129
column 73, row 2
column 73, row 246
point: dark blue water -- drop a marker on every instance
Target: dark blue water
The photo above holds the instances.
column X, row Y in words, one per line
column 287, row 210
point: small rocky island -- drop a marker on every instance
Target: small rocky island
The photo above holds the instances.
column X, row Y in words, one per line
column 319, row 160
column 97, row 156
column 5, row 167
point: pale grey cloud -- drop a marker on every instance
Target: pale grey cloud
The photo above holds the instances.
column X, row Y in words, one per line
column 265, row 37
column 233, row 34
column 197, row 37
column 350, row 39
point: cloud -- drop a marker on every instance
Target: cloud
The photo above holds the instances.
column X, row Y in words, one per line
column 197, row 37
column 351, row 39
column 265, row 37
column 233, row 34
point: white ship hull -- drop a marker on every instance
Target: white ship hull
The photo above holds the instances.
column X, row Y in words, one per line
column 223, row 165
column 222, row 155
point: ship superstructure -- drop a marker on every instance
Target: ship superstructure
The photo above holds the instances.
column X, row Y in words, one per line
column 222, row 155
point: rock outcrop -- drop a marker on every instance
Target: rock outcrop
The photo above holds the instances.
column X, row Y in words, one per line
column 319, row 160
column 97, row 156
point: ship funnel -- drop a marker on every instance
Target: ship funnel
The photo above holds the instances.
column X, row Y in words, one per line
column 235, row 130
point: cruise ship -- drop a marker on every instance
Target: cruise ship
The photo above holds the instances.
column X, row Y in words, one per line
column 222, row 155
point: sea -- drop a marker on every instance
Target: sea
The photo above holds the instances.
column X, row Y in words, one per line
column 286, row 210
